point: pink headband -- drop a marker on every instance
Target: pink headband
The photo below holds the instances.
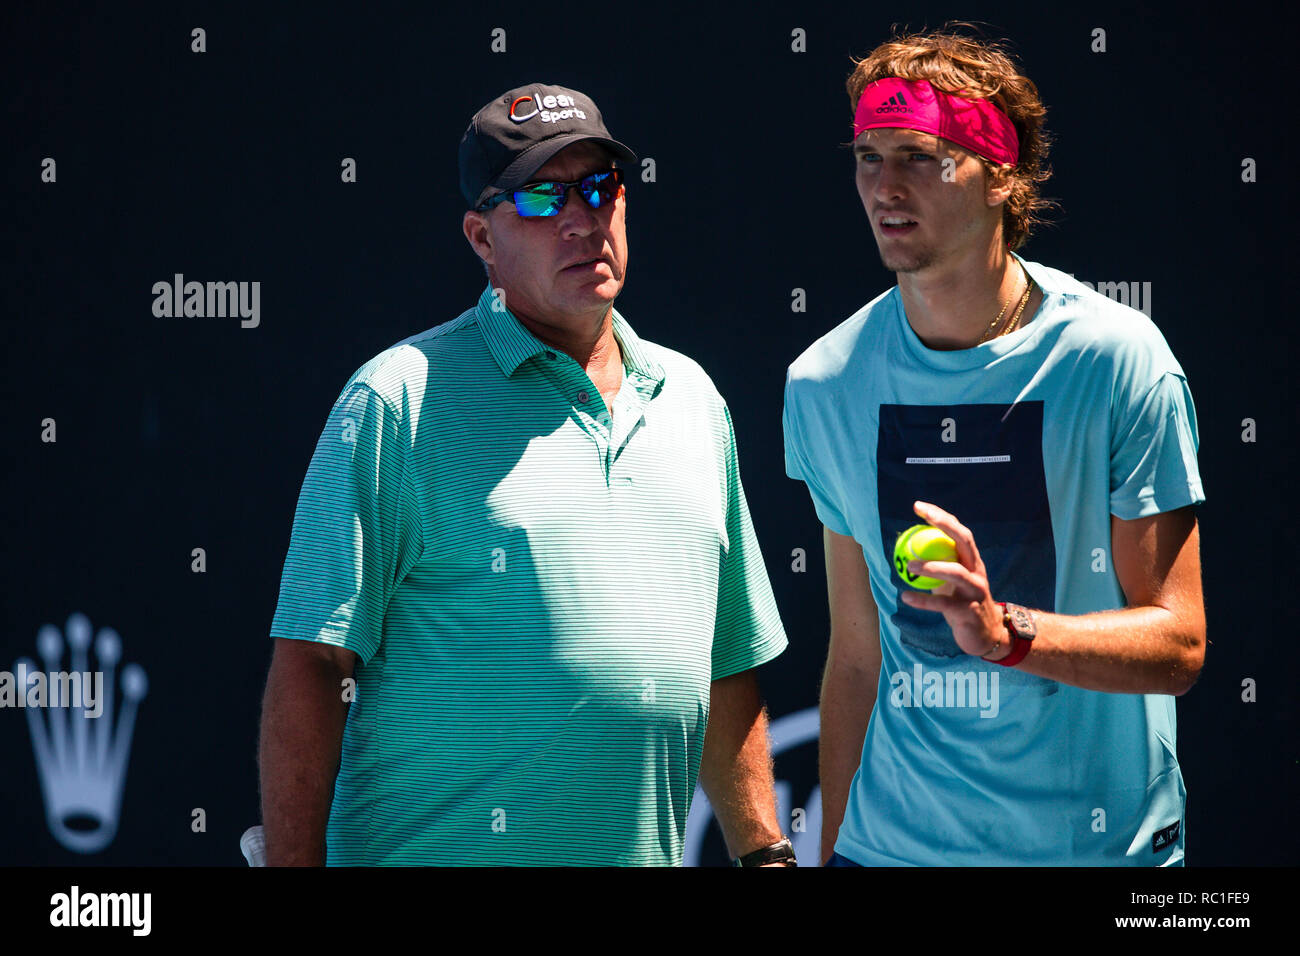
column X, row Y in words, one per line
column 976, row 125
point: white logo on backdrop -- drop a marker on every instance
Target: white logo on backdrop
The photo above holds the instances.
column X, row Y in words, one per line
column 82, row 756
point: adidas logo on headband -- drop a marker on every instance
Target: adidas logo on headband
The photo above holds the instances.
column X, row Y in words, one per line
column 973, row 124
column 895, row 104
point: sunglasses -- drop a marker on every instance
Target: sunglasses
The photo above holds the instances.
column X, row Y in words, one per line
column 547, row 199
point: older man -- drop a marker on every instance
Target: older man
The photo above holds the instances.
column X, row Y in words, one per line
column 1023, row 711
column 523, row 534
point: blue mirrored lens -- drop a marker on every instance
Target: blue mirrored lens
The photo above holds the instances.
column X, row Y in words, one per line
column 538, row 202
column 547, row 199
column 598, row 190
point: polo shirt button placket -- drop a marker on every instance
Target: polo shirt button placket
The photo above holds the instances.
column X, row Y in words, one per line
column 601, row 425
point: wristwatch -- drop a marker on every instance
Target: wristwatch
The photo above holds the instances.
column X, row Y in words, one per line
column 1019, row 622
column 781, row 852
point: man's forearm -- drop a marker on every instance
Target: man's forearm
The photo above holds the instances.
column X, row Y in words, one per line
column 736, row 766
column 1137, row 650
column 847, row 698
column 303, row 715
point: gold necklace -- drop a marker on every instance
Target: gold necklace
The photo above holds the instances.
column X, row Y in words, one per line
column 1015, row 319
column 994, row 322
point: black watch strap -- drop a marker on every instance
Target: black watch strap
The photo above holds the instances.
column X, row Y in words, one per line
column 780, row 852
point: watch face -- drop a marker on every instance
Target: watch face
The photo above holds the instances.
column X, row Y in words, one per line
column 1022, row 621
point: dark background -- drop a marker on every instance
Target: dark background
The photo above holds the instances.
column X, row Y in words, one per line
column 177, row 433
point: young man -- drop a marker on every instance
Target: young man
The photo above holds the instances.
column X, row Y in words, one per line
column 1023, row 712
column 524, row 532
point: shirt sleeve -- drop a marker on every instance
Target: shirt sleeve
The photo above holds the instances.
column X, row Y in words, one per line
column 747, row 630
column 356, row 531
column 797, row 466
column 1153, row 465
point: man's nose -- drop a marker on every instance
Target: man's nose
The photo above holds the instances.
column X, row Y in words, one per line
column 575, row 214
column 888, row 183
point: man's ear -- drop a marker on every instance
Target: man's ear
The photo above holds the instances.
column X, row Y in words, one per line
column 999, row 184
column 478, row 232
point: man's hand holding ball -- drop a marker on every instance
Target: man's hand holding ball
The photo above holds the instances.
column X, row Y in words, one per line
column 943, row 560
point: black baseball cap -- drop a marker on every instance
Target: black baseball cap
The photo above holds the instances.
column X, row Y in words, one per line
column 513, row 136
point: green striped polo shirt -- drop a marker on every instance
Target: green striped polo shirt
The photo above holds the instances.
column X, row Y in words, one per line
column 539, row 590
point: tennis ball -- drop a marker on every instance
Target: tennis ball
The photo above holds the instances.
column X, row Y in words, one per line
column 922, row 542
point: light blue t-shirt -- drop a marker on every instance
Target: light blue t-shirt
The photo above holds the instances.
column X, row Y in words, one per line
column 1032, row 440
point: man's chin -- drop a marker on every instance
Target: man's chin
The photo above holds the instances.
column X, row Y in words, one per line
column 904, row 264
column 601, row 293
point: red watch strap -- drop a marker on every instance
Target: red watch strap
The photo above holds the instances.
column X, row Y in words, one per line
column 1019, row 645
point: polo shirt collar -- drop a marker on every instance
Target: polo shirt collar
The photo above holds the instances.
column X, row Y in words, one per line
column 511, row 344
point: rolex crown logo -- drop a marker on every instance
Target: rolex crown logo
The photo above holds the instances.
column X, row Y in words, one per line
column 81, row 752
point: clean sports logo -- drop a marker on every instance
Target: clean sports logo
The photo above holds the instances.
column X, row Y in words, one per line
column 550, row 108
column 895, row 104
